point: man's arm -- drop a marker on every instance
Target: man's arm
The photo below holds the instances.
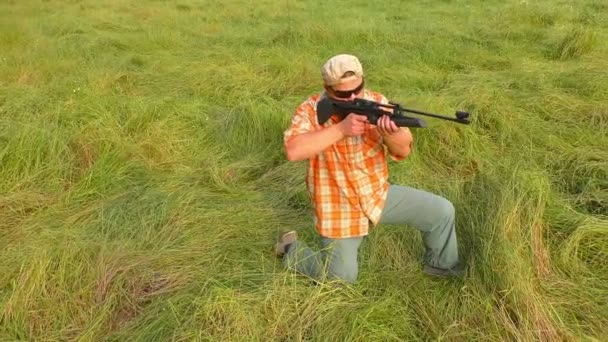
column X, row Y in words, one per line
column 398, row 140
column 306, row 145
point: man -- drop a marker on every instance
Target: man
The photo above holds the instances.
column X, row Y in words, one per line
column 347, row 181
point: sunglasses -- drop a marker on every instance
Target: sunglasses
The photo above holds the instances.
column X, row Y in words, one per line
column 348, row 93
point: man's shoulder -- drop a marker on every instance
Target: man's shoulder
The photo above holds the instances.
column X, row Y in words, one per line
column 312, row 99
column 309, row 104
column 307, row 109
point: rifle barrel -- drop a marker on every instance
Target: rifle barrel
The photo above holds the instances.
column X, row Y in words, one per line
column 461, row 117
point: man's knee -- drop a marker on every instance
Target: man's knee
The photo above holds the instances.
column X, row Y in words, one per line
column 444, row 209
column 345, row 273
column 343, row 263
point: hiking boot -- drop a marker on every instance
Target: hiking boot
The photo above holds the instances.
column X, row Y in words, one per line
column 284, row 241
column 456, row 271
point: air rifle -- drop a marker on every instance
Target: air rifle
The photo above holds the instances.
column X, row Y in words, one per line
column 328, row 107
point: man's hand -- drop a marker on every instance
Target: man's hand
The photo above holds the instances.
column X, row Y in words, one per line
column 386, row 126
column 353, row 125
column 397, row 139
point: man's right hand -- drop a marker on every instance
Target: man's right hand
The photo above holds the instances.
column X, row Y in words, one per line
column 353, row 125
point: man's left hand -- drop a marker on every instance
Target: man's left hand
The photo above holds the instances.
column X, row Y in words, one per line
column 397, row 139
column 386, row 126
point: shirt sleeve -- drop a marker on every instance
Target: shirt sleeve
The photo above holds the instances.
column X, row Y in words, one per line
column 301, row 121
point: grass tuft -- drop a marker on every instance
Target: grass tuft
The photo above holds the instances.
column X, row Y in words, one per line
column 577, row 42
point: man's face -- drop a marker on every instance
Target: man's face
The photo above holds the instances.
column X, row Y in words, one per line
column 347, row 91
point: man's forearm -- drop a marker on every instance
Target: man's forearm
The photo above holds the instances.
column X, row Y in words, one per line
column 400, row 144
column 309, row 144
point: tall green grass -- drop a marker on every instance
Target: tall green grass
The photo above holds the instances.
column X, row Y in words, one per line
column 144, row 181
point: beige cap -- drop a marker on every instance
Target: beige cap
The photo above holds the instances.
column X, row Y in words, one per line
column 333, row 70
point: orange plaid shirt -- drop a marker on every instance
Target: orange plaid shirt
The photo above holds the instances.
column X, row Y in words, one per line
column 348, row 181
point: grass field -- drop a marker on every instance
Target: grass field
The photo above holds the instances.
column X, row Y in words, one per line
column 143, row 178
